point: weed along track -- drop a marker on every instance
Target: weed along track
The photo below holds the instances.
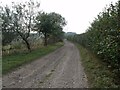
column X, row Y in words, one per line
column 60, row 69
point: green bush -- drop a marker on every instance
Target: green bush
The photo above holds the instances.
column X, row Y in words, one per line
column 103, row 37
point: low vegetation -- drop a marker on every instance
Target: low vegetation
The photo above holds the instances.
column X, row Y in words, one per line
column 103, row 38
column 98, row 74
column 13, row 61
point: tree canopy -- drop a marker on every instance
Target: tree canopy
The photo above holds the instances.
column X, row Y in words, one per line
column 19, row 19
column 49, row 24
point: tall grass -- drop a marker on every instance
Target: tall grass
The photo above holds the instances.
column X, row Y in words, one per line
column 99, row 75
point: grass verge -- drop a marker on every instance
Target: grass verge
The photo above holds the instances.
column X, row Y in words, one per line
column 98, row 74
column 13, row 61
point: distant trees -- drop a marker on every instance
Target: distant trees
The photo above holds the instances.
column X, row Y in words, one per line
column 49, row 24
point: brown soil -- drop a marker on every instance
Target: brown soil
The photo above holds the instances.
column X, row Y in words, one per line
column 60, row 69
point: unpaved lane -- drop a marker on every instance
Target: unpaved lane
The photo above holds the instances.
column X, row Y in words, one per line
column 60, row 69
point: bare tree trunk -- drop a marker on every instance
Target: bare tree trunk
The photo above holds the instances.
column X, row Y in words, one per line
column 25, row 40
column 45, row 39
column 28, row 45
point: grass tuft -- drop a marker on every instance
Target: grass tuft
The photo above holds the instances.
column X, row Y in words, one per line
column 98, row 74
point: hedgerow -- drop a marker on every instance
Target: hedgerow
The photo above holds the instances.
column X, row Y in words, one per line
column 103, row 37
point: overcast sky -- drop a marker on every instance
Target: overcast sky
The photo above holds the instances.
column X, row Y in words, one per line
column 78, row 13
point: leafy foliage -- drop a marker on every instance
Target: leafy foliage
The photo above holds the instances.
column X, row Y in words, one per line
column 103, row 37
column 50, row 24
column 8, row 33
column 18, row 20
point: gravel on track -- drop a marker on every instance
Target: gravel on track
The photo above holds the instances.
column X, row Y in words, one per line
column 59, row 69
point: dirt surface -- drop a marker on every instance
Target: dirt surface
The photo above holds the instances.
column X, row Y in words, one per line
column 60, row 69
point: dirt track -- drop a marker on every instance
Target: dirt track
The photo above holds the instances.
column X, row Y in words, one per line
column 60, row 69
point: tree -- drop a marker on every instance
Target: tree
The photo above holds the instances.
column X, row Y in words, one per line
column 18, row 20
column 49, row 24
column 22, row 18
